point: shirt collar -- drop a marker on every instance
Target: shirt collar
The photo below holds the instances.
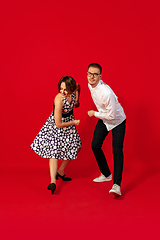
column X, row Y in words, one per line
column 96, row 87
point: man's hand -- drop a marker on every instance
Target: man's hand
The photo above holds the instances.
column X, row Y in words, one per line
column 91, row 113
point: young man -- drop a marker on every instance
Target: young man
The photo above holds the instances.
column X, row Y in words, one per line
column 111, row 118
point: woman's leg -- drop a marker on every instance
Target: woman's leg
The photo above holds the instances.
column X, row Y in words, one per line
column 53, row 165
column 63, row 166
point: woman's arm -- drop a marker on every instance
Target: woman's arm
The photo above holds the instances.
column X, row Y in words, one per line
column 77, row 93
column 58, row 114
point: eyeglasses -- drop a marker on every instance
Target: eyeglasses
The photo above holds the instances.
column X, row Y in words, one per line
column 92, row 74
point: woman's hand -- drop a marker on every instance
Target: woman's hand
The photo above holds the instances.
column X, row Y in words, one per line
column 76, row 122
column 77, row 104
column 91, row 113
column 77, row 93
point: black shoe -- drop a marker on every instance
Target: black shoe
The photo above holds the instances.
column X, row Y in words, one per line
column 64, row 178
column 52, row 187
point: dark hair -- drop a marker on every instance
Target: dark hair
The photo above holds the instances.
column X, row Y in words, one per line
column 95, row 65
column 70, row 84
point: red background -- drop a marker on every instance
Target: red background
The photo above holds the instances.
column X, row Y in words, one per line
column 41, row 41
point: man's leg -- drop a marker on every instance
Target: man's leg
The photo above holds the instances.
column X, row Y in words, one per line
column 99, row 135
column 118, row 139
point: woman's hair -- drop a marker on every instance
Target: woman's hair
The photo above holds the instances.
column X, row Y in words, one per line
column 70, row 84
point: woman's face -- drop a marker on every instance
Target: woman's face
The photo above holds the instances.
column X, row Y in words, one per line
column 63, row 90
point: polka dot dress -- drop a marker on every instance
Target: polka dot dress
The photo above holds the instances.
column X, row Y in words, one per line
column 59, row 143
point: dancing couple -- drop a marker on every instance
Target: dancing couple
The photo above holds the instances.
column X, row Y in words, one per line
column 58, row 139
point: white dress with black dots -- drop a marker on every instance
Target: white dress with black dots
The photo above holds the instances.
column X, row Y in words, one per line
column 59, row 143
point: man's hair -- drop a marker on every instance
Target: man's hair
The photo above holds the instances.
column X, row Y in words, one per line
column 95, row 65
column 70, row 84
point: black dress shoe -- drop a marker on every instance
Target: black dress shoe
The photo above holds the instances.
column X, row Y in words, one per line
column 64, row 178
column 52, row 187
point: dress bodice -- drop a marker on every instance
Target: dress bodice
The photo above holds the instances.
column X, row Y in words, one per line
column 67, row 107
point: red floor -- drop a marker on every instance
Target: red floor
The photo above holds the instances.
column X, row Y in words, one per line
column 41, row 42
column 80, row 209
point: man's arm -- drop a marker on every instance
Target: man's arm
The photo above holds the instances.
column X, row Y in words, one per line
column 109, row 110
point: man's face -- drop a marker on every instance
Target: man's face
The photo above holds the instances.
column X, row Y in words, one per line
column 93, row 76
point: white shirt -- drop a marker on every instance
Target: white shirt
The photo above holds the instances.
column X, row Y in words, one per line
column 109, row 109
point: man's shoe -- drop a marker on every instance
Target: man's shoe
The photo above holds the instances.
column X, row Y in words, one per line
column 102, row 178
column 116, row 190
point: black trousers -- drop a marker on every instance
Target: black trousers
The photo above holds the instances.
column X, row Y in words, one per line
column 99, row 135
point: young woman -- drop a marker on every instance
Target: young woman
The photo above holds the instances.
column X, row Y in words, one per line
column 58, row 139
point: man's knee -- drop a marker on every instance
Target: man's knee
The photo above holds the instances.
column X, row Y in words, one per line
column 94, row 146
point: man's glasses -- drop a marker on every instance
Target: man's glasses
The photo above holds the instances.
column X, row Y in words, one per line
column 92, row 74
